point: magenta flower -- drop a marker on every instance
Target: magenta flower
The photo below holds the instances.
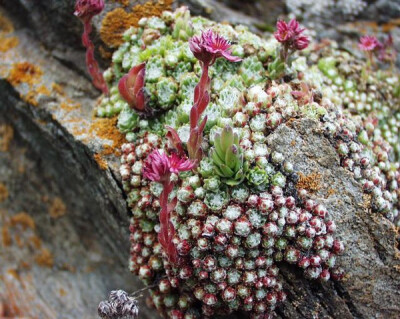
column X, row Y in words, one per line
column 159, row 167
column 131, row 87
column 369, row 43
column 290, row 35
column 156, row 167
column 85, row 10
column 210, row 46
column 178, row 164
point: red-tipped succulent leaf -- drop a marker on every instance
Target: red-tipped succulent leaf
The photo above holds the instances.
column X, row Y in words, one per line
column 131, row 87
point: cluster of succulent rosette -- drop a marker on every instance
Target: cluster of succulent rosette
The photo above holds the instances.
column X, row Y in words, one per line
column 214, row 210
column 119, row 305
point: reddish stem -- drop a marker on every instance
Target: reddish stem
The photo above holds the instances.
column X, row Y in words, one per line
column 91, row 63
column 167, row 230
column 201, row 100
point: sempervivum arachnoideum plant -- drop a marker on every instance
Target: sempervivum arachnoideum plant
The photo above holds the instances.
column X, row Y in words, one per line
column 214, row 212
column 227, row 156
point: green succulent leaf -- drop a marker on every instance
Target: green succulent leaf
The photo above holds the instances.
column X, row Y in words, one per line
column 231, row 156
column 226, row 170
column 235, row 139
column 227, row 137
column 227, row 157
column 218, row 147
column 217, row 160
column 219, row 171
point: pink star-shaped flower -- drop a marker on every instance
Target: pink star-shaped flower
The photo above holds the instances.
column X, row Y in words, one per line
column 369, row 43
column 210, row 46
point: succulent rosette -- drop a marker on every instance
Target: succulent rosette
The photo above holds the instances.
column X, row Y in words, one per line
column 214, row 209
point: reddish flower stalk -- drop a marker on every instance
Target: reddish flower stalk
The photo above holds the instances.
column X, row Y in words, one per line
column 387, row 52
column 291, row 38
column 159, row 167
column 206, row 48
column 85, row 10
column 131, row 88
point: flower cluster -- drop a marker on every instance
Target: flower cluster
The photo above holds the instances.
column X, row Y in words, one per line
column 290, row 35
column 210, row 46
column 369, row 43
column 86, row 10
column 385, row 51
column 158, row 168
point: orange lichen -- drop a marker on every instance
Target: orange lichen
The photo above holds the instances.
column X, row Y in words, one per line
column 309, row 182
column 105, row 129
column 70, row 106
column 114, row 25
column 22, row 219
column 367, row 199
column 290, row 121
column 24, row 265
column 387, row 27
column 35, row 241
column 125, row 3
column 57, row 88
column 5, row 233
column 100, row 161
column 13, row 273
column 57, row 208
column 30, row 98
column 7, row 43
column 45, row 258
column 152, row 8
column 3, row 192
column 43, row 90
column 6, row 136
column 117, row 21
column 19, row 241
column 79, row 131
column 365, row 27
column 331, row 192
column 5, row 24
column 62, row 292
column 24, row 72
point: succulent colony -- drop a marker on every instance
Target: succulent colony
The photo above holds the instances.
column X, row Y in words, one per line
column 214, row 211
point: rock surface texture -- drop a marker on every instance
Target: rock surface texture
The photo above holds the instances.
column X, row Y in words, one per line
column 64, row 219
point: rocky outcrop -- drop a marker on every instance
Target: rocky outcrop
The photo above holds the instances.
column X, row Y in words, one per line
column 63, row 211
